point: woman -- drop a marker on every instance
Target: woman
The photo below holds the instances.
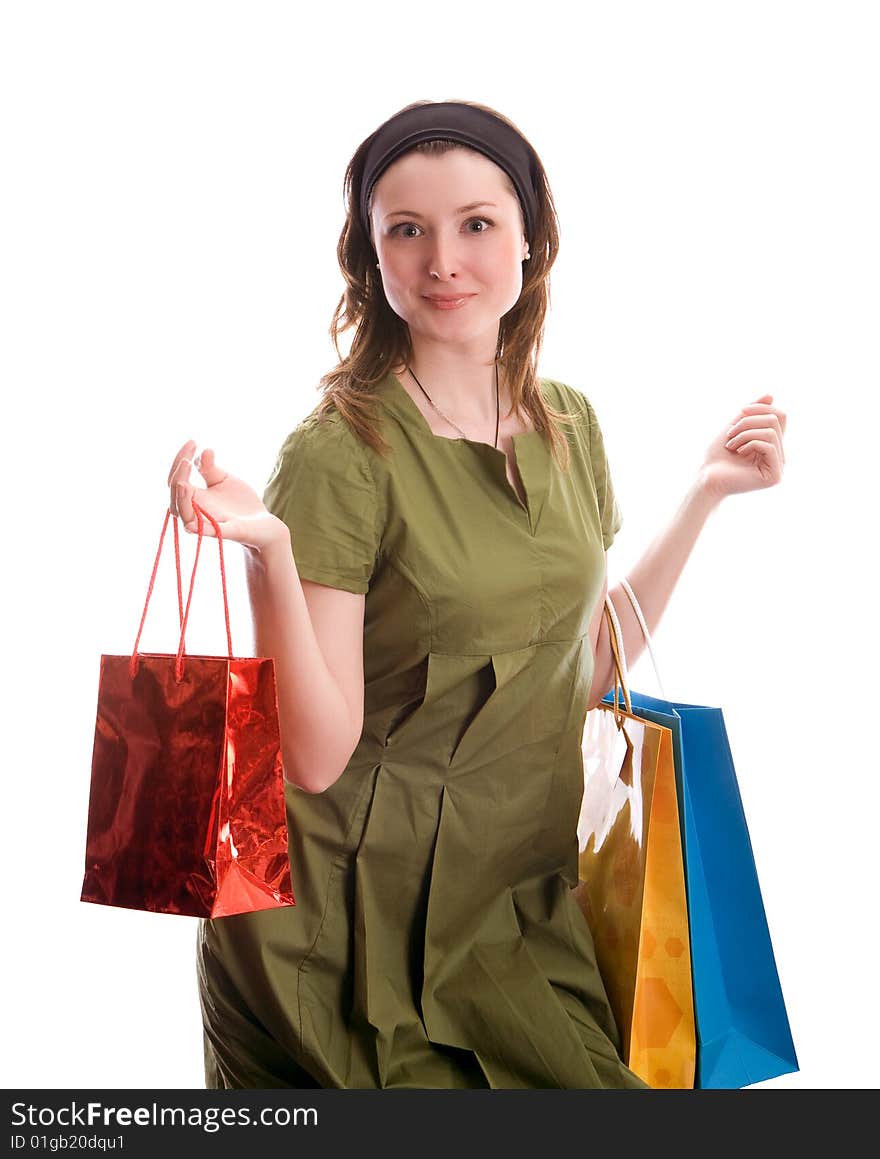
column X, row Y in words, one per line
column 428, row 571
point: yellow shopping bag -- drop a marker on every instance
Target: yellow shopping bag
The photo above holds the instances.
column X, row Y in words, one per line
column 632, row 885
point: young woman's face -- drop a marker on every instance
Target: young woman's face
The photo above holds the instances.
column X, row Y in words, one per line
column 421, row 226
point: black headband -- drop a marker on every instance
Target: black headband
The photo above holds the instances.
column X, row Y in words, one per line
column 466, row 126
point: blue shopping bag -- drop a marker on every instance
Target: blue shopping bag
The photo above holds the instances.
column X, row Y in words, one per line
column 743, row 1033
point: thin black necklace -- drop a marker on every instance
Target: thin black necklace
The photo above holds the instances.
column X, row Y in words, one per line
column 449, row 420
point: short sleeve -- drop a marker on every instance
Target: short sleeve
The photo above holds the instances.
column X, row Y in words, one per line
column 323, row 489
column 592, row 443
column 610, row 517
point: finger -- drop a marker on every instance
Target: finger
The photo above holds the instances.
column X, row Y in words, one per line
column 183, row 501
column 764, row 412
column 759, row 406
column 185, row 494
column 754, row 444
column 182, row 474
column 210, row 472
column 187, row 450
column 179, row 476
column 767, row 454
column 748, row 432
column 751, row 421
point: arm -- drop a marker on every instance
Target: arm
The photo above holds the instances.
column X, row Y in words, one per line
column 652, row 579
column 322, row 498
column 747, row 456
column 315, row 635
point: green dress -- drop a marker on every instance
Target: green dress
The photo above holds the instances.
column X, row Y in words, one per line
column 435, row 942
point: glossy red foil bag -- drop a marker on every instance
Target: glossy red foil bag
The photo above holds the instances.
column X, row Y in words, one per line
column 187, row 808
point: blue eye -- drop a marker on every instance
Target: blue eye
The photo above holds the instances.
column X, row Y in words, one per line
column 412, row 225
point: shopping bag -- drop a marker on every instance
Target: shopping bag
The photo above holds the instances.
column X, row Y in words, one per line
column 186, row 805
column 631, row 889
column 743, row 1033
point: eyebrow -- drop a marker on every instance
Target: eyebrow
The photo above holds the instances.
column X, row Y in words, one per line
column 464, row 209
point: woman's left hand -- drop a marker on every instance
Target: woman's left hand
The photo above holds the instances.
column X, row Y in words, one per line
column 750, row 454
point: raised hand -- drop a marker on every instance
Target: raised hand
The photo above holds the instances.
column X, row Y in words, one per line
column 748, row 455
column 237, row 508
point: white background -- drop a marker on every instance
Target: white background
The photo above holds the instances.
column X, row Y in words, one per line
column 171, row 204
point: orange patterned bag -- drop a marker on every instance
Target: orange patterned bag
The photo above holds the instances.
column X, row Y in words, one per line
column 632, row 887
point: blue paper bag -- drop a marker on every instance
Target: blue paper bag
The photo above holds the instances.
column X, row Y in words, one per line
column 743, row 1034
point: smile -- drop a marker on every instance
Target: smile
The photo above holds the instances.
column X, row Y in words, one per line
column 449, row 303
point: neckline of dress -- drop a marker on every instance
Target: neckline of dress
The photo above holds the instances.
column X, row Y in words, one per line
column 420, row 423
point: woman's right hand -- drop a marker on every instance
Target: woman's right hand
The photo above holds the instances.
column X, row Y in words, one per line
column 237, row 508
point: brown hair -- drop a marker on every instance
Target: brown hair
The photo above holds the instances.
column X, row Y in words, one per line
column 382, row 338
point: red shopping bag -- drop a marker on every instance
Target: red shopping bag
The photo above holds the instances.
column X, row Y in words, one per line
column 187, row 806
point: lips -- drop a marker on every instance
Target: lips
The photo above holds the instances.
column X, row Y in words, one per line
column 448, row 303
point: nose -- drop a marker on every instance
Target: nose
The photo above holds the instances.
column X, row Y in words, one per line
column 441, row 257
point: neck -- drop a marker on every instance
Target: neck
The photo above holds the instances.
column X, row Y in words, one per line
column 465, row 392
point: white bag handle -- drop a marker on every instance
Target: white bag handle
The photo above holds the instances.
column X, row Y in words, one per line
column 618, row 634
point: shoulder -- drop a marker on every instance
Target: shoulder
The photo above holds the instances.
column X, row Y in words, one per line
column 568, row 398
column 323, row 430
column 326, row 443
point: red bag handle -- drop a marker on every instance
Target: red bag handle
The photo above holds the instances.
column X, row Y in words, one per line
column 184, row 615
